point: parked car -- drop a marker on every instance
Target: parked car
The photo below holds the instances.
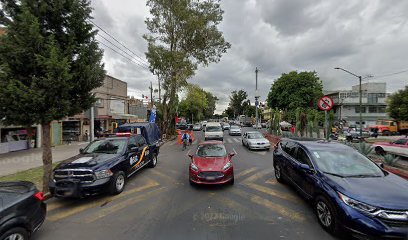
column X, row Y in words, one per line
column 213, row 131
column 226, row 126
column 204, row 123
column 106, row 164
column 255, row 140
column 399, row 147
column 348, row 191
column 211, row 164
column 234, row 130
column 197, row 127
column 354, row 135
column 22, row 210
column 257, row 126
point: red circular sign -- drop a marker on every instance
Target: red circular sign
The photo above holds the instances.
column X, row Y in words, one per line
column 325, row 103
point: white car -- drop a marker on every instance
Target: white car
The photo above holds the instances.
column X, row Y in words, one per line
column 226, row 126
column 234, row 130
column 213, row 131
column 255, row 140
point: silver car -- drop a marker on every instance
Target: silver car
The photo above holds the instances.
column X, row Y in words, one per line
column 234, row 130
column 255, row 140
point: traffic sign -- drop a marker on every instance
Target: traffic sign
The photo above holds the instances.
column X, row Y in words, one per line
column 325, row 103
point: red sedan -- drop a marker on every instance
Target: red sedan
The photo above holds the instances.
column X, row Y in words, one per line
column 211, row 164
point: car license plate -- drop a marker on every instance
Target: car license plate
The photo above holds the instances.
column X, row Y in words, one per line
column 210, row 178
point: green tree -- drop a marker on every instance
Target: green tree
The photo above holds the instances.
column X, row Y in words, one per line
column 50, row 62
column 293, row 90
column 229, row 112
column 237, row 102
column 183, row 34
column 195, row 102
column 211, row 105
column 398, row 105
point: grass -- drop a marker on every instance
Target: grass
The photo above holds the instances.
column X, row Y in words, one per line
column 34, row 175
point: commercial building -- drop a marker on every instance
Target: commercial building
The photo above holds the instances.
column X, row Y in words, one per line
column 347, row 104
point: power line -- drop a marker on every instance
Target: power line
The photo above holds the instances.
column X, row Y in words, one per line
column 121, row 50
column 131, row 60
column 116, row 40
column 390, row 74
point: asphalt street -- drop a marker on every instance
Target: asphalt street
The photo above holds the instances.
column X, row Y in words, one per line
column 159, row 203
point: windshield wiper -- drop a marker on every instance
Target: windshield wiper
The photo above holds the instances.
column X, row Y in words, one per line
column 334, row 174
column 363, row 176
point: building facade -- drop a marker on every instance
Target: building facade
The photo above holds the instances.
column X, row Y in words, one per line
column 347, row 105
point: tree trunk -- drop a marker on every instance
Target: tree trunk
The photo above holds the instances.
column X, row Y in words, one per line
column 47, row 155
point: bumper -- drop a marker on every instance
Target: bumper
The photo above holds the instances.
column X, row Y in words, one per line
column 227, row 177
column 235, row 133
column 365, row 227
column 75, row 189
column 263, row 146
column 214, row 138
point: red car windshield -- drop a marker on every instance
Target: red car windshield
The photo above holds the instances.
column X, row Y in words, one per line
column 211, row 150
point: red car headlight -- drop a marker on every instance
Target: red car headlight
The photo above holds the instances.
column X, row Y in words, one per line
column 194, row 167
column 228, row 165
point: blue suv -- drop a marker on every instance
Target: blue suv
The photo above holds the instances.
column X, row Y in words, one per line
column 348, row 190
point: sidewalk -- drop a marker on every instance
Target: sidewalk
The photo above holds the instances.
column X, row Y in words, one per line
column 23, row 160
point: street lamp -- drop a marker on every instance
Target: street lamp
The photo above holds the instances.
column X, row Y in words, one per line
column 359, row 78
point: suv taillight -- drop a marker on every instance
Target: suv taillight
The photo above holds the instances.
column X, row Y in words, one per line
column 39, row 196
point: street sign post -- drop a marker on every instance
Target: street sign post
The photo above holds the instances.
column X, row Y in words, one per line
column 325, row 104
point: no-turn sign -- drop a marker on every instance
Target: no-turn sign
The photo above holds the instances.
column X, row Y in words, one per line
column 325, row 103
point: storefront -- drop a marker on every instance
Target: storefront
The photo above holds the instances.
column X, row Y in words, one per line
column 16, row 138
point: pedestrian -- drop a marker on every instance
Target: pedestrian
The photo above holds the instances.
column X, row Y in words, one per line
column 86, row 135
column 292, row 129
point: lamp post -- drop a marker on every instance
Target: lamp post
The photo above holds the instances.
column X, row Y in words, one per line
column 256, row 97
column 359, row 78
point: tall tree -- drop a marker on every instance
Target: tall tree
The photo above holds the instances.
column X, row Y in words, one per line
column 50, row 63
column 237, row 101
column 293, row 90
column 398, row 105
column 211, row 105
column 192, row 107
column 183, row 35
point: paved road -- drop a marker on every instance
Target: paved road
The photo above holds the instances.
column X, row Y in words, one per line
column 159, row 203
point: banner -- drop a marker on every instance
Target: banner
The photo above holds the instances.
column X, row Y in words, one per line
column 153, row 115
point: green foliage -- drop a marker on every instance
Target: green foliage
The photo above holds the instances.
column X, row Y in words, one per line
column 237, row 102
column 50, row 61
column 211, row 104
column 391, row 159
column 293, row 90
column 398, row 105
column 182, row 35
column 364, row 148
column 194, row 104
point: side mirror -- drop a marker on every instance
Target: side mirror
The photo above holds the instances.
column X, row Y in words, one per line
column 231, row 154
column 382, row 165
column 81, row 151
column 190, row 155
column 306, row 168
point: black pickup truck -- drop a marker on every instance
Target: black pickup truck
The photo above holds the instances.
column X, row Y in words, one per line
column 106, row 163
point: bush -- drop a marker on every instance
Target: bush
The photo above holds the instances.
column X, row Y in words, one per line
column 390, row 159
column 364, row 148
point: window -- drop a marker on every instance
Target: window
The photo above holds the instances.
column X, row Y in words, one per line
column 381, row 109
column 290, row 148
column 358, row 109
column 140, row 140
column 372, row 109
column 302, row 156
column 372, row 98
column 132, row 142
column 99, row 103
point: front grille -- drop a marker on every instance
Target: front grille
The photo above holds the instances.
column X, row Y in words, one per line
column 211, row 174
column 83, row 175
column 393, row 223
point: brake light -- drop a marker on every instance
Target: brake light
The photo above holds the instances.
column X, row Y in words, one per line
column 39, row 196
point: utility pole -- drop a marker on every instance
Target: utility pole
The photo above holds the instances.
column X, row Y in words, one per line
column 92, row 127
column 256, row 97
column 361, row 110
column 151, row 94
column 158, row 78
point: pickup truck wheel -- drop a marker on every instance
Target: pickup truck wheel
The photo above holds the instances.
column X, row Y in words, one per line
column 386, row 133
column 17, row 233
column 118, row 183
column 153, row 161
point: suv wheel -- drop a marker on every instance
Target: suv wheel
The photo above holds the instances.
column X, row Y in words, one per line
column 278, row 173
column 153, row 161
column 118, row 183
column 17, row 233
column 326, row 215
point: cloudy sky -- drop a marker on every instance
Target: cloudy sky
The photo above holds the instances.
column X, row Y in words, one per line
column 367, row 37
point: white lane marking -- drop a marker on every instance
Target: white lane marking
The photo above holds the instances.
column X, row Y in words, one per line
column 188, row 153
column 263, row 153
column 236, row 154
column 237, row 140
column 229, row 140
